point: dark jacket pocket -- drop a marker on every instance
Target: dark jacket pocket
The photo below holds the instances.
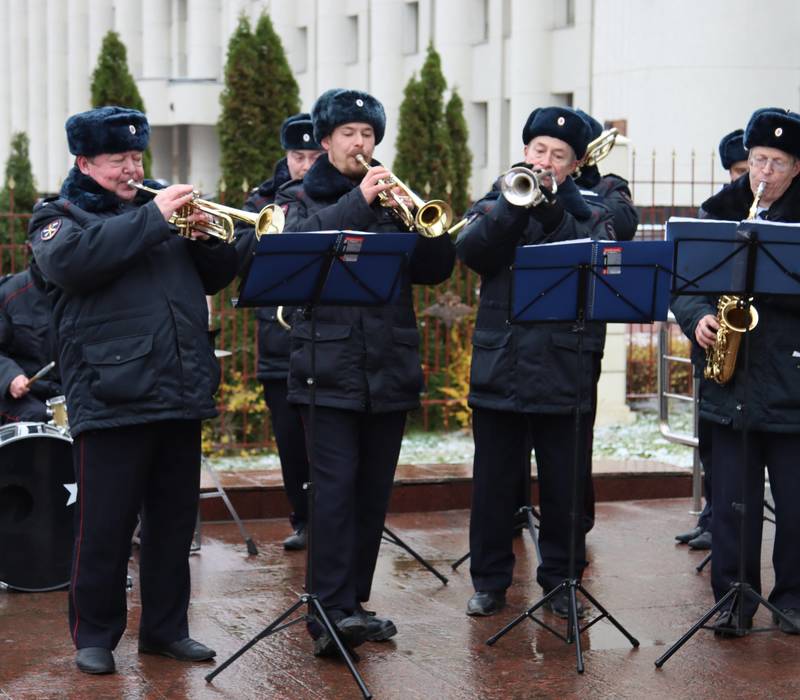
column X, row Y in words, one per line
column 492, row 369
column 120, row 369
column 337, row 363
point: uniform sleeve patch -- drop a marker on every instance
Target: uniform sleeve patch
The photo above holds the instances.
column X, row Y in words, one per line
column 51, row 230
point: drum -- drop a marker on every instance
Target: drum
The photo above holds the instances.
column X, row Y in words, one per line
column 57, row 409
column 37, row 501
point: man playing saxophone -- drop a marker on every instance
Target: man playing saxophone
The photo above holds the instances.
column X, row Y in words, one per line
column 772, row 411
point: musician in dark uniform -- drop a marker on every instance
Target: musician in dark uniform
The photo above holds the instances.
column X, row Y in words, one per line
column 368, row 373
column 523, row 383
column 25, row 348
column 297, row 139
column 733, row 156
column 139, row 371
column 771, row 408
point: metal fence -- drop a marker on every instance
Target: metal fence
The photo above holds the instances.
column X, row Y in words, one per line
column 661, row 188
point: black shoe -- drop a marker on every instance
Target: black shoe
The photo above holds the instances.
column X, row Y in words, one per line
column 725, row 624
column 686, row 536
column 183, row 650
column 379, row 629
column 297, row 540
column 559, row 605
column 352, row 632
column 702, row 541
column 95, row 660
column 794, row 617
column 485, row 603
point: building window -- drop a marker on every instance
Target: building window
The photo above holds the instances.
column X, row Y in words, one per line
column 564, row 13
column 411, row 28
column 480, row 21
column 181, row 21
column 350, row 42
column 300, row 50
column 563, row 99
column 506, row 19
column 480, row 134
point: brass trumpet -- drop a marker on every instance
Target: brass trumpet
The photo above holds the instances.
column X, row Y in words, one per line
column 431, row 219
column 599, row 148
column 269, row 220
column 522, row 186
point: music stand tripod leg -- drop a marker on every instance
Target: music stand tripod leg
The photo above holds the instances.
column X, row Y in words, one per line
column 252, row 550
column 391, row 537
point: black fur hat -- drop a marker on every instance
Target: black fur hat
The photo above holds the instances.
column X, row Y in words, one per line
column 594, row 126
column 561, row 123
column 339, row 106
column 775, row 128
column 731, row 148
column 297, row 133
column 107, row 130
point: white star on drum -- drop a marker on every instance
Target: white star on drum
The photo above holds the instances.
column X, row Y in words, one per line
column 72, row 490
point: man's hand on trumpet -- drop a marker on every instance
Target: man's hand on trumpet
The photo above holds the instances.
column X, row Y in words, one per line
column 376, row 180
column 172, row 198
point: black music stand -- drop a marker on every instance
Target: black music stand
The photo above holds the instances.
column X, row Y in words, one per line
column 584, row 281
column 321, row 269
column 748, row 259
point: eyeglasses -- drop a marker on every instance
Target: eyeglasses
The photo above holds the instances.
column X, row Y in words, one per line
column 779, row 165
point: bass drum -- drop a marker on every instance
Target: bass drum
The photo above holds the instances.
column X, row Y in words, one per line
column 37, row 501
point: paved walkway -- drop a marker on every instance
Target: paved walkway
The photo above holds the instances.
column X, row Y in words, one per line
column 646, row 581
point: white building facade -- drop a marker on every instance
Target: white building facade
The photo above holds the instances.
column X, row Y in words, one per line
column 674, row 72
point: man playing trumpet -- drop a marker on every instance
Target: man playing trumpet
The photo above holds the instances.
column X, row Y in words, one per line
column 523, row 385
column 139, row 374
column 368, row 373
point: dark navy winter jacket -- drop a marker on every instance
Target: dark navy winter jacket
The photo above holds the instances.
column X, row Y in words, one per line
column 129, row 308
column 367, row 358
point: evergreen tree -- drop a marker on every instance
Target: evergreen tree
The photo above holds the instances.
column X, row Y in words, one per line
column 423, row 156
column 277, row 91
column 460, row 155
column 260, row 92
column 240, row 118
column 408, row 163
column 113, row 84
column 18, row 173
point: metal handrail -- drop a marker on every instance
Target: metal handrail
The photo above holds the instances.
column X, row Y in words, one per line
column 664, row 396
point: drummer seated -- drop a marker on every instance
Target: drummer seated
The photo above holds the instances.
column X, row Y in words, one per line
column 25, row 348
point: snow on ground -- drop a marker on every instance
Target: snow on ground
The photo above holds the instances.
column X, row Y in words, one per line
column 639, row 440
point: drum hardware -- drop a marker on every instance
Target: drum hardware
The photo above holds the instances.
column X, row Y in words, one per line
column 57, row 411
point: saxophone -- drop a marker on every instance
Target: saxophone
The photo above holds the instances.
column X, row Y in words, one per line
column 735, row 317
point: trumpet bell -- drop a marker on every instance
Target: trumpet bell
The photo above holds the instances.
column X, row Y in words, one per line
column 271, row 219
column 601, row 146
column 434, row 218
column 522, row 186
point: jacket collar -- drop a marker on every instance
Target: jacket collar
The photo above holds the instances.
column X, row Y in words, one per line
column 734, row 200
column 324, row 181
column 85, row 193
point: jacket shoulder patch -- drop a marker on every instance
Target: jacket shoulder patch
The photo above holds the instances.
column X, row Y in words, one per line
column 50, row 230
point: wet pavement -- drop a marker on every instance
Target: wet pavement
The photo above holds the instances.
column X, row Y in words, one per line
column 646, row 581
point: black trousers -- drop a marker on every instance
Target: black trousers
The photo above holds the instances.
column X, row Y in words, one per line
column 154, row 468
column 287, row 424
column 28, row 408
column 355, row 457
column 502, row 439
column 779, row 453
column 705, row 431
